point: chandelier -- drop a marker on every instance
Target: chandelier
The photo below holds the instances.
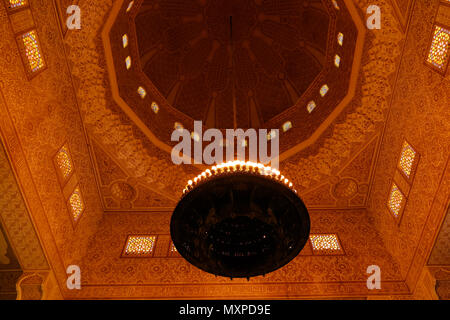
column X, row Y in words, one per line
column 234, row 167
column 240, row 220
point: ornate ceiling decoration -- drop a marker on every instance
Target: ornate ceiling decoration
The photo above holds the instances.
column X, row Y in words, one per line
column 174, row 278
column 337, row 165
column 133, row 141
column 241, row 62
column 137, row 152
column 233, row 64
column 17, row 223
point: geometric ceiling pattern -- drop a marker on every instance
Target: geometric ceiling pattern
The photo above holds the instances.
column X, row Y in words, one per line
column 151, row 166
column 230, row 64
column 348, row 188
column 208, row 58
column 188, row 66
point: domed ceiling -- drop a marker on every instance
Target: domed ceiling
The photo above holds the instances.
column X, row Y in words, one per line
column 234, row 64
column 254, row 58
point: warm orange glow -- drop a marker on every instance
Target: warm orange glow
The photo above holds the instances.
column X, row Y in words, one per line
column 407, row 159
column 327, row 242
column 139, row 245
column 236, row 167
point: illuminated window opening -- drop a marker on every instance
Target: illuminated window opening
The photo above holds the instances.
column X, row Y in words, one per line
column 130, row 6
column 325, row 243
column 287, row 126
column 324, row 90
column 139, row 246
column 337, row 61
column 438, row 55
column 407, row 159
column 76, row 204
column 396, row 200
column 64, row 163
column 15, row 4
column 125, row 40
column 155, row 107
column 311, row 106
column 335, row 4
column 128, row 62
column 141, row 91
column 32, row 51
column 340, row 39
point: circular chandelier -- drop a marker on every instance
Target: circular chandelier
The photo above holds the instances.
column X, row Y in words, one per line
column 240, row 220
